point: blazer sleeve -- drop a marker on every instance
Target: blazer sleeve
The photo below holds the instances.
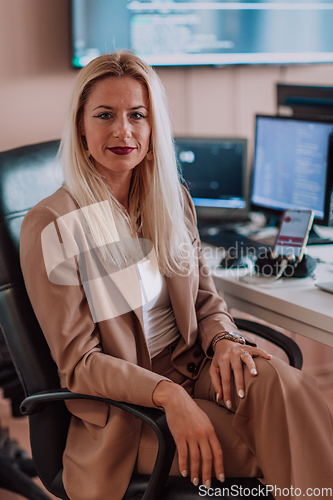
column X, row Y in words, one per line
column 66, row 321
column 211, row 310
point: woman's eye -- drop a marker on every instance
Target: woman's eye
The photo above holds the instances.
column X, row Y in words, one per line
column 137, row 115
column 104, row 116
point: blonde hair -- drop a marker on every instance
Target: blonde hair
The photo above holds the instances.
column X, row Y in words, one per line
column 156, row 203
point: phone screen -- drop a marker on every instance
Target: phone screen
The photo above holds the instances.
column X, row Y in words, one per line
column 293, row 233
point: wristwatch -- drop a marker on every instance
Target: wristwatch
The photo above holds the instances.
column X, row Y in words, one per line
column 233, row 336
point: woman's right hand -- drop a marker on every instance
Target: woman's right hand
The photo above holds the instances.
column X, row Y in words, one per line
column 192, row 431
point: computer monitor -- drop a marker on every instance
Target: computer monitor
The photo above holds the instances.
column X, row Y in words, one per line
column 174, row 32
column 292, row 167
column 215, row 170
column 305, row 100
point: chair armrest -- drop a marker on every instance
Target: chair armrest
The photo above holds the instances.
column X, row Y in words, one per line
column 152, row 416
column 289, row 346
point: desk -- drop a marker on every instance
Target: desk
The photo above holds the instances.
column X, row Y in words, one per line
column 295, row 304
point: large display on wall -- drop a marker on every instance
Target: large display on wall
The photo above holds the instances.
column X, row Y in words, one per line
column 182, row 32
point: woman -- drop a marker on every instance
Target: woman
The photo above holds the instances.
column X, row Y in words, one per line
column 116, row 275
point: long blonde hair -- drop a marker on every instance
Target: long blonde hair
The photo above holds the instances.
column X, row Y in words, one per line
column 156, row 203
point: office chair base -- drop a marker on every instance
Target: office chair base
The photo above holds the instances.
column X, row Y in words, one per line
column 17, row 469
column 12, row 479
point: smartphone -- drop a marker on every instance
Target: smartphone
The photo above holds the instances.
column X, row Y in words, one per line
column 293, row 234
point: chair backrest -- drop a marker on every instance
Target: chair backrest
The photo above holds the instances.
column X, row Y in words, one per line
column 27, row 175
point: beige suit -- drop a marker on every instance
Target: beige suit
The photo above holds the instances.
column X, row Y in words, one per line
column 110, row 358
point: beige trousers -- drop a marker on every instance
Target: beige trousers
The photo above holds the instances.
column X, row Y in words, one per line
column 282, row 431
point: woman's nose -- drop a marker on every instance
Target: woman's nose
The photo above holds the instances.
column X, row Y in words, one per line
column 121, row 128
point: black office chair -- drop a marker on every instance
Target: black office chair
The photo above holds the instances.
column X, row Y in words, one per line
column 27, row 176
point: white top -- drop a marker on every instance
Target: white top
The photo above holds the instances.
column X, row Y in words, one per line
column 159, row 321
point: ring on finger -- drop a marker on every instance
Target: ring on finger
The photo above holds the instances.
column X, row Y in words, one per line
column 242, row 354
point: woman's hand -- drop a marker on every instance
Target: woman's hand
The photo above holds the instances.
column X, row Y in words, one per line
column 192, row 431
column 229, row 357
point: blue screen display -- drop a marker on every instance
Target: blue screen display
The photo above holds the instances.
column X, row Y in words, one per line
column 290, row 164
column 183, row 32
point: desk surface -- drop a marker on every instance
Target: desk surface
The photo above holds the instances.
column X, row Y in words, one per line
column 295, row 304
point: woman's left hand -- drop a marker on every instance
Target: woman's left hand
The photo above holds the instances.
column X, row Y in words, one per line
column 229, row 358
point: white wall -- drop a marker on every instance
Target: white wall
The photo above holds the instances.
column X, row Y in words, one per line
column 35, row 74
column 224, row 101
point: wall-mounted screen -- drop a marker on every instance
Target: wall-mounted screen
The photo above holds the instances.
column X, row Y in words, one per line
column 182, row 32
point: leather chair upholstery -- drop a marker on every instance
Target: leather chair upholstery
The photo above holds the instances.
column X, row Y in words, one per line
column 28, row 175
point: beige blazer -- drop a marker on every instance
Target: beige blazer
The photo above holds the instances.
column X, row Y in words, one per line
column 110, row 358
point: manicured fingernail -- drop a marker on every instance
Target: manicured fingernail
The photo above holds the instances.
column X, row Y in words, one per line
column 254, row 371
column 195, row 481
column 241, row 393
column 229, row 404
column 217, row 397
column 207, row 484
column 221, row 478
column 184, row 473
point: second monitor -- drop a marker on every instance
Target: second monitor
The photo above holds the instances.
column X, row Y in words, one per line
column 215, row 170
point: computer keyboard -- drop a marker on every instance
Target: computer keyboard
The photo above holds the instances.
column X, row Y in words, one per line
column 235, row 244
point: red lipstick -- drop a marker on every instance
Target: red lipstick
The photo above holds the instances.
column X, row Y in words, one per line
column 121, row 151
